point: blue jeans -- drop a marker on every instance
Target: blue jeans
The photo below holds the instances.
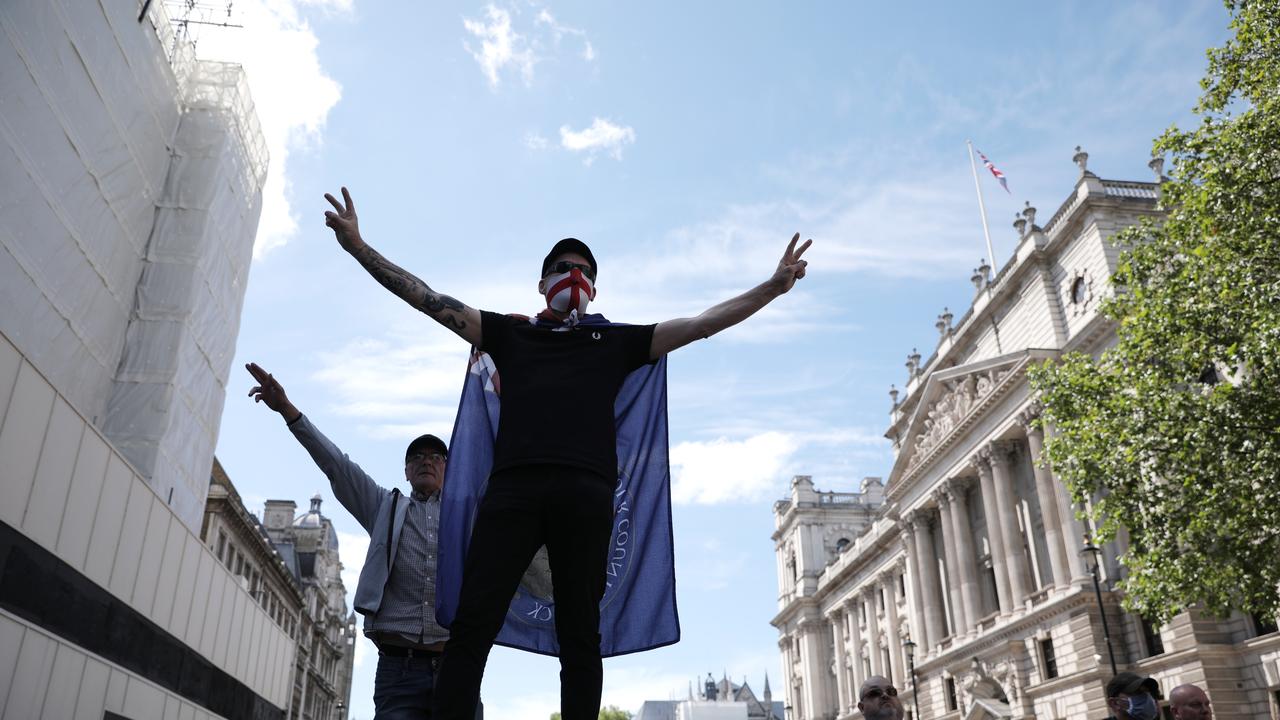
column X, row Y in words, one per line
column 403, row 688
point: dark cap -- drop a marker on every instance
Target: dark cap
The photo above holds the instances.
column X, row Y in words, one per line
column 426, row 442
column 1132, row 684
column 569, row 245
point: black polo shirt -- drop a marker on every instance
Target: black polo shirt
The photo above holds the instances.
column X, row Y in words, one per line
column 558, row 388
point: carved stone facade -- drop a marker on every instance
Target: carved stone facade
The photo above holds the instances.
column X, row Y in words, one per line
column 289, row 565
column 973, row 559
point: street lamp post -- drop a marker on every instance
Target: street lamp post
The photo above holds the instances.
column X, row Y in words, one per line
column 910, row 645
column 1092, row 551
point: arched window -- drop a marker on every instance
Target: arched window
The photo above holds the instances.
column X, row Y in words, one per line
column 841, row 544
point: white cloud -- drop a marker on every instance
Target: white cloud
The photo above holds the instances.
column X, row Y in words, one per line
column 602, row 136
column 500, row 46
column 291, row 92
column 753, row 459
column 535, row 141
column 560, row 30
column 724, row 470
column 401, row 384
column 528, row 705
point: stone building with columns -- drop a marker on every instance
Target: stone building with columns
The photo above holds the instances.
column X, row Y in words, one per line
column 971, row 572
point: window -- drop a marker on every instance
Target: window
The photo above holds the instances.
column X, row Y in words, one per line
column 1151, row 634
column 1079, row 290
column 880, row 594
column 949, row 693
column 1050, row 660
column 222, row 544
column 902, row 585
column 1261, row 625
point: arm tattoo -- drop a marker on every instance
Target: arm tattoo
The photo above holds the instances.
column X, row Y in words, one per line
column 405, row 285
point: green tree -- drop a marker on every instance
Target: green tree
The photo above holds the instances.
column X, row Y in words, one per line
column 1174, row 432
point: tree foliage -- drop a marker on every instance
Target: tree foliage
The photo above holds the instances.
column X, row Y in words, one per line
column 1174, row 432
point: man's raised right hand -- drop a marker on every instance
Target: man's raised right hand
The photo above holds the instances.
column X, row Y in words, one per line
column 345, row 224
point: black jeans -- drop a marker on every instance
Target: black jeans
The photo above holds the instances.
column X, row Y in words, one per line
column 568, row 509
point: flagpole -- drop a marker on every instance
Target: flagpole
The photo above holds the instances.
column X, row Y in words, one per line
column 973, row 165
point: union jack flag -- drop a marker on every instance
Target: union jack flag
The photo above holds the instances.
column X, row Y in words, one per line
column 995, row 171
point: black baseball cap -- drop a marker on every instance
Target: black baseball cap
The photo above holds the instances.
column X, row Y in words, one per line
column 569, row 245
column 424, row 443
column 1131, row 684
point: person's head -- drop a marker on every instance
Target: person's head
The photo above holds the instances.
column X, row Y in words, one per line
column 568, row 279
column 1133, row 697
column 424, row 462
column 1189, row 702
column 878, row 699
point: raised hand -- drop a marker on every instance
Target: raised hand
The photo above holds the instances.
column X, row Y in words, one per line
column 791, row 268
column 345, row 224
column 270, row 392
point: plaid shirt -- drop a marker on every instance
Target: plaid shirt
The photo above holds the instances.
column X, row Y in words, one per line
column 409, row 599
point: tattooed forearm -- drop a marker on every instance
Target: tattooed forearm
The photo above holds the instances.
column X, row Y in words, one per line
column 405, row 285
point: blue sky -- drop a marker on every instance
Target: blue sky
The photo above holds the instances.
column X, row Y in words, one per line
column 685, row 143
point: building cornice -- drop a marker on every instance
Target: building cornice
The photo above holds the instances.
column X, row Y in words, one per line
column 1013, row 630
column 1035, row 247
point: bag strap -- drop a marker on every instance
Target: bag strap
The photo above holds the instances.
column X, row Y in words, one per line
column 391, row 524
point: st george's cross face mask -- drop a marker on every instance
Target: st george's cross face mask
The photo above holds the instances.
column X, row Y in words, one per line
column 569, row 291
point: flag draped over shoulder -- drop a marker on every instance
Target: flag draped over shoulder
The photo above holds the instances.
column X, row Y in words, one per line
column 638, row 611
column 995, row 171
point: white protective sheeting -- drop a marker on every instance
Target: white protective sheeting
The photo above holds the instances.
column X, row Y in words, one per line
column 167, row 401
column 88, row 108
column 132, row 187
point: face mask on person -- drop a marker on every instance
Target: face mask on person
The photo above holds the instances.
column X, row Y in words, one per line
column 1143, row 707
column 568, row 291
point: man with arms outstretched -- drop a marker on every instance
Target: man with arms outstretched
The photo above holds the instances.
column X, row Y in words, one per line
column 555, row 455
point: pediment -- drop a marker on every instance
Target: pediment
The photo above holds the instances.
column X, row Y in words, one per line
column 951, row 401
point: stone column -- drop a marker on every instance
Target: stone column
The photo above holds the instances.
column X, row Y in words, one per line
column 873, row 631
column 958, row 488
column 1072, row 530
column 836, row 618
column 894, row 639
column 813, row 667
column 786, row 644
column 855, row 649
column 929, row 575
column 1006, row 505
column 982, row 463
column 959, row 621
column 1048, row 495
column 907, row 532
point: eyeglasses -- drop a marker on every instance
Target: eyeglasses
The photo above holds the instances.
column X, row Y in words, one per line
column 565, row 266
column 877, row 693
column 432, row 456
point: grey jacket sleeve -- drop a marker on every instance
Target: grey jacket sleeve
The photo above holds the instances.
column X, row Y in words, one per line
column 357, row 492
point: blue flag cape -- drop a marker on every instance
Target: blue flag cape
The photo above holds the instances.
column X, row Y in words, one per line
column 638, row 611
